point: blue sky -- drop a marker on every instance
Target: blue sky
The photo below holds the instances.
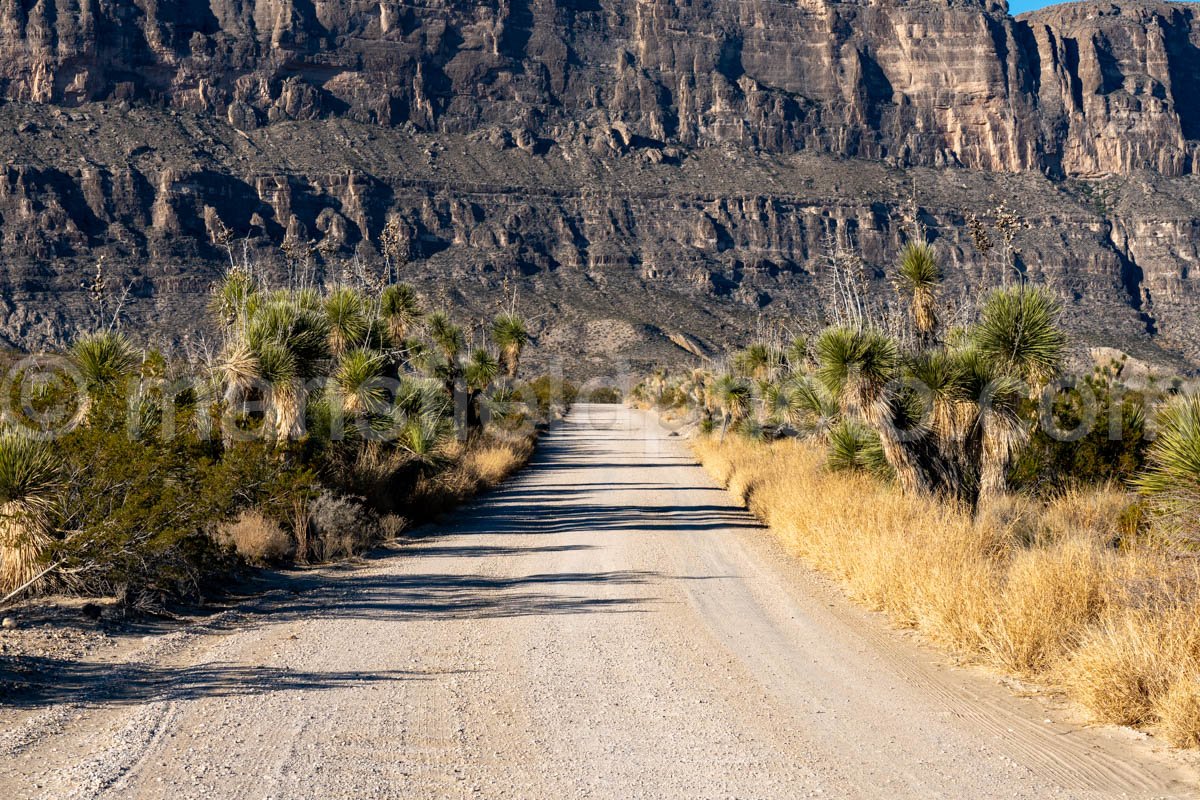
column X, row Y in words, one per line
column 1017, row 6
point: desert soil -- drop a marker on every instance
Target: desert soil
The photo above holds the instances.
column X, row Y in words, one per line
column 606, row 625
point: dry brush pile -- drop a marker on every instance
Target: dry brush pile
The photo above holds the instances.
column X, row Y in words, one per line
column 317, row 422
column 958, row 480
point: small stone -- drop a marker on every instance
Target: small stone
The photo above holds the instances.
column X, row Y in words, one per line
column 8, row 623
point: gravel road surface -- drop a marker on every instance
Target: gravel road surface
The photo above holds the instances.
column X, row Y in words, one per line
column 606, row 625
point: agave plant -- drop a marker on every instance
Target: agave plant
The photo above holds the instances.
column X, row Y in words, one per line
column 1018, row 331
column 510, row 334
column 1171, row 481
column 29, row 484
column 918, row 278
column 401, row 311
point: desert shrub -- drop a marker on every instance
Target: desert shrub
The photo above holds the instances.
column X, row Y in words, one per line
column 138, row 515
column 1129, row 662
column 256, row 538
column 1049, row 597
column 546, row 392
column 1110, row 446
column 342, row 526
column 605, row 394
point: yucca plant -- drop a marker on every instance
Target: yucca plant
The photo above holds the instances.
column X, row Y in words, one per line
column 918, row 279
column 796, row 354
column 752, row 430
column 446, row 336
column 756, row 361
column 1171, row 481
column 480, row 370
column 855, row 447
column 348, row 321
column 862, row 369
column 1018, row 331
column 940, row 379
column 858, row 367
column 510, row 334
column 29, row 485
column 810, row 408
column 358, row 380
column 734, row 398
column 283, row 390
column 401, row 311
column 104, row 360
column 424, row 436
column 235, row 296
column 999, row 430
column 450, row 341
column 286, row 344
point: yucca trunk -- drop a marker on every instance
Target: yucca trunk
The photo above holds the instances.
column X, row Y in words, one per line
column 909, row 475
column 286, row 403
column 397, row 330
column 24, row 538
column 925, row 313
column 510, row 360
column 994, row 461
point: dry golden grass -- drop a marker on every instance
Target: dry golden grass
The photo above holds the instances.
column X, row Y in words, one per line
column 477, row 466
column 256, row 538
column 1179, row 709
column 1056, row 591
column 492, row 462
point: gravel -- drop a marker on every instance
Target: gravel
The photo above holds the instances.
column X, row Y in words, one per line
column 605, row 625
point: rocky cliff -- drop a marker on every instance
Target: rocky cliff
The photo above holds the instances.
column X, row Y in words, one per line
column 637, row 168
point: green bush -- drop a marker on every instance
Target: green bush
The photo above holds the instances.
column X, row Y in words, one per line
column 1084, row 442
column 138, row 515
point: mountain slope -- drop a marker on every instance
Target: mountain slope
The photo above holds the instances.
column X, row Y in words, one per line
column 637, row 169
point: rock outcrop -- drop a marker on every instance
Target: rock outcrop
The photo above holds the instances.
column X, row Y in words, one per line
column 710, row 155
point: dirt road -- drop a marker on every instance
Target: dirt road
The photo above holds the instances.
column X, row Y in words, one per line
column 607, row 625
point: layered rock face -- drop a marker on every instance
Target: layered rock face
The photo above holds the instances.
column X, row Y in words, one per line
column 707, row 157
column 1082, row 89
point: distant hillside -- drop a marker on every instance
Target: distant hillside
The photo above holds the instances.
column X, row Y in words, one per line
column 638, row 170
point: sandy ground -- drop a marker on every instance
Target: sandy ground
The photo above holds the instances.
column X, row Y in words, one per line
column 606, row 625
